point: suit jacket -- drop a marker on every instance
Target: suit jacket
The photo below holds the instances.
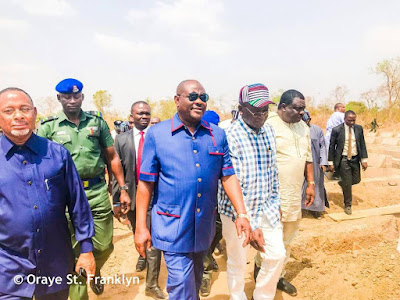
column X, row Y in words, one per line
column 337, row 144
column 125, row 147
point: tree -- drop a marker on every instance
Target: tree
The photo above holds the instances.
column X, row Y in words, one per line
column 370, row 97
column 356, row 106
column 102, row 100
column 48, row 106
column 389, row 69
column 339, row 94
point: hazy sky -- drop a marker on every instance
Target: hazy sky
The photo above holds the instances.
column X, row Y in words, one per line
column 139, row 49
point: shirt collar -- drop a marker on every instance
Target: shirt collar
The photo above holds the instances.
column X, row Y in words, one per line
column 31, row 143
column 137, row 131
column 176, row 124
column 63, row 117
column 247, row 128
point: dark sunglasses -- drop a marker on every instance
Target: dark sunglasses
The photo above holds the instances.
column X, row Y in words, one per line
column 194, row 96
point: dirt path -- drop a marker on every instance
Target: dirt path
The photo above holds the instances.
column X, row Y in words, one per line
column 354, row 259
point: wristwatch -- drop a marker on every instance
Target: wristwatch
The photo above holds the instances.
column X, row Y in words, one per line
column 123, row 188
column 246, row 216
column 310, row 182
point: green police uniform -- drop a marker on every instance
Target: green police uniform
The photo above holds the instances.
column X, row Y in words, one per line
column 85, row 144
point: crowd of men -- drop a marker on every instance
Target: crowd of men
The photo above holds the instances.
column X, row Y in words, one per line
column 183, row 184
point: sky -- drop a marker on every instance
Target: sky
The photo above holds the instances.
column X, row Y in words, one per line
column 142, row 49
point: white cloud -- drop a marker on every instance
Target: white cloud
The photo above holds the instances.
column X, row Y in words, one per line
column 195, row 21
column 13, row 24
column 134, row 50
column 47, row 7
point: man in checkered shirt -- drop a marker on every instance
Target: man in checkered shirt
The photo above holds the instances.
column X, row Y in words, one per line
column 253, row 154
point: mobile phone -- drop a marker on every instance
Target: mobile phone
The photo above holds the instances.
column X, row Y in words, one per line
column 82, row 273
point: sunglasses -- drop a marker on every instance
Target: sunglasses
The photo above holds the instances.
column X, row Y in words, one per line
column 257, row 114
column 194, row 96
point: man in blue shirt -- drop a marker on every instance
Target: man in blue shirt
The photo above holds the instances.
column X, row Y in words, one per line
column 38, row 180
column 183, row 158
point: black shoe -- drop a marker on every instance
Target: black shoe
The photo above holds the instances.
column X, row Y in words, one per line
column 256, row 270
column 141, row 264
column 287, row 287
column 347, row 210
column 214, row 264
column 96, row 285
column 155, row 292
column 315, row 214
column 205, row 287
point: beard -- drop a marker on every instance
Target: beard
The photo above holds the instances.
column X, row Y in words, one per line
column 21, row 132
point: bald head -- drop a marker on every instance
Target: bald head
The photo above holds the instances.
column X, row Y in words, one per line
column 15, row 89
column 187, row 84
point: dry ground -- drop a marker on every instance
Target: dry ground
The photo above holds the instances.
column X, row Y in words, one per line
column 354, row 259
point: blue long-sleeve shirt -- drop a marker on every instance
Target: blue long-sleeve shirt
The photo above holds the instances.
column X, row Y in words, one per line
column 38, row 181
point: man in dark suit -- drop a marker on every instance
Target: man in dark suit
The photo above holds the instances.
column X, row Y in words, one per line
column 129, row 146
column 346, row 151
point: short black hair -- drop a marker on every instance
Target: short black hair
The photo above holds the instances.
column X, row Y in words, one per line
column 337, row 105
column 288, row 96
column 349, row 112
column 137, row 103
column 13, row 89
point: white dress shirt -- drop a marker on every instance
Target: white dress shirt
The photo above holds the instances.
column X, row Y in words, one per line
column 136, row 138
column 346, row 141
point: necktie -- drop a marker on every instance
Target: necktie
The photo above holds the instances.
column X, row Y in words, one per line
column 349, row 152
column 139, row 156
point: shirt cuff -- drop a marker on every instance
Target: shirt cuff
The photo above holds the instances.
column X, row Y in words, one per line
column 150, row 177
column 86, row 245
column 364, row 160
column 330, row 163
column 227, row 171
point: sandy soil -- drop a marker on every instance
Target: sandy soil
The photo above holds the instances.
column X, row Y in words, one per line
column 354, row 259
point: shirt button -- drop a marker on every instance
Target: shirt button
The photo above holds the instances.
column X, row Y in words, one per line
column 38, row 271
column 39, row 251
column 216, row 151
column 167, row 212
column 195, row 151
column 199, row 195
column 37, row 230
column 198, row 210
column 35, row 207
column 24, row 162
column 199, row 180
column 193, row 138
column 197, row 165
column 30, row 182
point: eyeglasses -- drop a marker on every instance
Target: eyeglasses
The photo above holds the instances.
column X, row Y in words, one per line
column 194, row 96
column 25, row 110
column 257, row 114
column 298, row 109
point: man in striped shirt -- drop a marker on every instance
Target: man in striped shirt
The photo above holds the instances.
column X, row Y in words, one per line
column 253, row 154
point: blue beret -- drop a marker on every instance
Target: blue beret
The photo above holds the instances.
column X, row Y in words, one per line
column 69, row 86
column 211, row 116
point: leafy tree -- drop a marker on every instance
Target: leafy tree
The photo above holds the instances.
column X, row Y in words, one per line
column 356, row 106
column 102, row 100
column 389, row 69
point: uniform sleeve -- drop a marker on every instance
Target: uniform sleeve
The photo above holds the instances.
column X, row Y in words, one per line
column 106, row 139
column 78, row 206
column 150, row 165
column 43, row 131
column 227, row 167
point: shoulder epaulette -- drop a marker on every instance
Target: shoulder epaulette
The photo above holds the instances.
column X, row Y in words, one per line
column 48, row 119
column 95, row 113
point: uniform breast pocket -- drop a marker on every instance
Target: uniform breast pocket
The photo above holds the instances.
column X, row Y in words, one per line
column 56, row 192
column 166, row 221
column 62, row 139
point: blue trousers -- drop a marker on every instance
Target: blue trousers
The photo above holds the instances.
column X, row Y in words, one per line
column 61, row 295
column 185, row 271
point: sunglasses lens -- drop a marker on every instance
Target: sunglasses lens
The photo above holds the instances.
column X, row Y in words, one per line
column 193, row 96
column 204, row 97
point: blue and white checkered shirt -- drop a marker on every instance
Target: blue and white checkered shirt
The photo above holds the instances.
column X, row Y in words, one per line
column 253, row 156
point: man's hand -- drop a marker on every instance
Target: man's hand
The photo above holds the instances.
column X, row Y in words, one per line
column 310, row 193
column 323, row 168
column 243, row 225
column 142, row 240
column 257, row 240
column 117, row 212
column 87, row 262
column 331, row 168
column 125, row 202
column 364, row 165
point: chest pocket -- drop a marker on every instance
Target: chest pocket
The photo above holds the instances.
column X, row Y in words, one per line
column 213, row 151
column 93, row 137
column 56, row 192
column 62, row 139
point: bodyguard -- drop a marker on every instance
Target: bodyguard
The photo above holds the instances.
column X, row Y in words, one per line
column 38, row 181
column 87, row 137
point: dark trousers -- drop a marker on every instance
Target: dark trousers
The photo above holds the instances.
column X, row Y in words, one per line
column 153, row 257
column 61, row 295
column 349, row 171
column 185, row 272
column 208, row 269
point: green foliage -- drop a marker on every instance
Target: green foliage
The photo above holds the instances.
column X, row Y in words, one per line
column 102, row 100
column 164, row 109
column 356, row 106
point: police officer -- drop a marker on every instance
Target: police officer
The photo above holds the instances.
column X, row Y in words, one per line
column 88, row 139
